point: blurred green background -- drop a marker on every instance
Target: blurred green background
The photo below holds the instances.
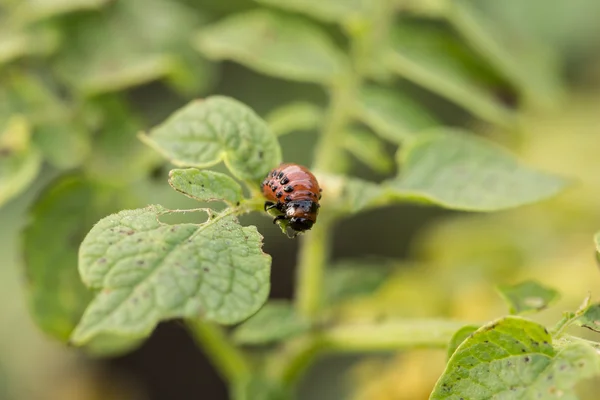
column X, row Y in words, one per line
column 82, row 77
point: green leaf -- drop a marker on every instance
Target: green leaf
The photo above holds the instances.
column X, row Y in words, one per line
column 275, row 322
column 259, row 387
column 297, row 116
column 391, row 115
column 459, row 337
column 205, row 132
column 336, row 11
column 16, row 43
column 145, row 271
column 436, row 60
column 129, row 43
column 513, row 358
column 369, row 149
column 282, row 46
column 528, row 296
column 590, row 318
column 522, row 61
column 455, row 170
column 57, row 297
column 19, row 161
column 205, row 185
column 119, row 157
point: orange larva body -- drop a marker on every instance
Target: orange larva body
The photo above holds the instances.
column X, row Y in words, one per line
column 294, row 191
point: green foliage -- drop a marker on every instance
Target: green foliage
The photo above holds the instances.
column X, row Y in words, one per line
column 145, row 271
column 527, row 297
column 450, row 168
column 218, row 128
column 522, row 354
column 93, row 92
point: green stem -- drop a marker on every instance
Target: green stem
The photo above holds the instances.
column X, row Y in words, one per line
column 227, row 359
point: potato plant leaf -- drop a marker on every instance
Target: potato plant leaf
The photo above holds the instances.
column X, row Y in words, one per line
column 330, row 11
column 276, row 321
column 205, row 132
column 392, row 115
column 369, row 150
column 513, row 358
column 348, row 279
column 460, row 336
column 460, row 171
column 528, row 296
column 205, row 185
column 282, row 46
column 144, row 271
column 590, row 318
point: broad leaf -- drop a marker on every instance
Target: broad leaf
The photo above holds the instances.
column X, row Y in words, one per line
column 16, row 43
column 129, row 43
column 369, row 149
column 19, row 161
column 434, row 59
column 34, row 10
column 513, row 358
column 590, row 318
column 391, row 115
column 520, row 60
column 145, row 271
column 344, row 11
column 276, row 321
column 460, row 336
column 205, row 185
column 298, row 116
column 219, row 128
column 529, row 296
column 351, row 195
column 460, row 171
column 282, row 46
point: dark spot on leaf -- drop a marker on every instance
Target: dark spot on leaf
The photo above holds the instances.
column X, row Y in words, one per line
column 173, row 229
column 237, row 204
column 129, row 233
column 581, row 364
column 527, row 359
column 140, row 240
column 202, row 185
column 110, row 243
column 550, row 377
column 190, row 182
column 260, row 154
column 102, row 261
column 206, row 269
column 486, row 341
column 563, row 367
column 523, row 350
column 546, row 331
column 545, row 342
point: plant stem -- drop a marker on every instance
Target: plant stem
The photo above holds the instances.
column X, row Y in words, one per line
column 228, row 360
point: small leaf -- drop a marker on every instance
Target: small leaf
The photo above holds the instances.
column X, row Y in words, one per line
column 527, row 297
column 145, row 271
column 19, row 161
column 219, row 128
column 459, row 337
column 205, row 185
column 353, row 279
column 298, row 116
column 590, row 318
column 463, row 172
column 434, row 59
column 369, row 149
column 129, row 43
column 391, row 115
column 282, row 46
column 513, row 358
column 275, row 322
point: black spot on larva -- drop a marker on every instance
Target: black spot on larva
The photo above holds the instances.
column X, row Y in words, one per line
column 274, row 188
column 274, row 173
column 279, row 194
column 527, row 359
column 102, row 261
column 288, row 189
column 280, row 174
column 287, row 198
column 284, row 180
column 205, row 269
